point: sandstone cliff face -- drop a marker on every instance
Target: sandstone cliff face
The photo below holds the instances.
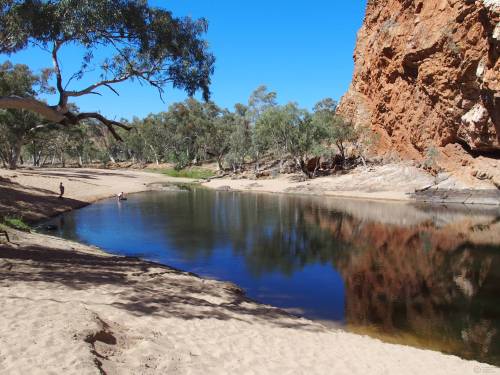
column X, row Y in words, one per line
column 427, row 74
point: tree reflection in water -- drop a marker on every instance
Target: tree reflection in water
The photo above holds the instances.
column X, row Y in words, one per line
column 417, row 275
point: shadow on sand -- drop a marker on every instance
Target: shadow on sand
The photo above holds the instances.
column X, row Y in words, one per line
column 32, row 204
column 141, row 288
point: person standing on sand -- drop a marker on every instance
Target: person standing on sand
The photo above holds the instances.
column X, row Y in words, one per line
column 61, row 190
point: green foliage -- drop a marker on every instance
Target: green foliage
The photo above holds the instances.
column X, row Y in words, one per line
column 192, row 132
column 16, row 125
column 147, row 43
column 288, row 130
column 240, row 139
column 17, row 223
column 196, row 173
column 19, row 80
column 260, row 100
column 431, row 156
column 339, row 132
column 365, row 141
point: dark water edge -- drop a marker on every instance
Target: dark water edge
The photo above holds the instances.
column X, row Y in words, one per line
column 426, row 276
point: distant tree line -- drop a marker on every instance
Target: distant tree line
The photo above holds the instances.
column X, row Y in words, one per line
column 188, row 133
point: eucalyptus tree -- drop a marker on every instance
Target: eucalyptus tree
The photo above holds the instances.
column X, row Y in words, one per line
column 15, row 125
column 259, row 102
column 340, row 132
column 288, row 131
column 278, row 129
column 14, row 128
column 188, row 123
column 219, row 134
column 123, row 40
column 240, row 139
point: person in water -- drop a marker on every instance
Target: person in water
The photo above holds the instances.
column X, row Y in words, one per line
column 121, row 196
column 61, row 190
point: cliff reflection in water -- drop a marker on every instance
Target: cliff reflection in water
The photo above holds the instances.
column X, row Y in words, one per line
column 422, row 276
column 433, row 280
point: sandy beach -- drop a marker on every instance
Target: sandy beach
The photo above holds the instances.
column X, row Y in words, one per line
column 73, row 309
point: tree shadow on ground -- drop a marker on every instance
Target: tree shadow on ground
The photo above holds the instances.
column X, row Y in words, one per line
column 76, row 173
column 32, row 204
column 139, row 287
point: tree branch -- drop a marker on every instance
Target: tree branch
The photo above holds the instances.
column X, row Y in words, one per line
column 110, row 124
column 51, row 113
column 91, row 88
column 62, row 97
column 16, row 102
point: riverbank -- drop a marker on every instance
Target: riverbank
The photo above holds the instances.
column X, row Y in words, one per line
column 71, row 308
column 33, row 194
column 398, row 181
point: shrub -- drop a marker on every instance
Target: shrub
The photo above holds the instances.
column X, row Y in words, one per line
column 17, row 223
column 196, row 173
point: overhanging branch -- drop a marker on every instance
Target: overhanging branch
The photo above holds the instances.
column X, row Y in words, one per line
column 110, row 124
column 16, row 102
column 51, row 114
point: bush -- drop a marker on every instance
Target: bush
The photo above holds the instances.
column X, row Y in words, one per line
column 196, row 173
column 17, row 223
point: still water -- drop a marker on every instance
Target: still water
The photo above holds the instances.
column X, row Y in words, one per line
column 416, row 275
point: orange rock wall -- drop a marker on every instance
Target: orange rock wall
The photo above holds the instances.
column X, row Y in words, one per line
column 427, row 74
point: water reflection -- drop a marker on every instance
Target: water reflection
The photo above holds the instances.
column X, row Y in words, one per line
column 421, row 276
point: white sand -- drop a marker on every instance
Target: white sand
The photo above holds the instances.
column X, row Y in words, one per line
column 388, row 182
column 67, row 308
column 72, row 309
column 396, row 181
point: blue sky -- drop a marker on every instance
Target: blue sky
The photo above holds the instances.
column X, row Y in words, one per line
column 300, row 49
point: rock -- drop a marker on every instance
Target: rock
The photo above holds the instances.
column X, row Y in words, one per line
column 496, row 181
column 263, row 174
column 427, row 75
column 288, row 167
column 313, row 164
column 477, row 129
column 482, row 175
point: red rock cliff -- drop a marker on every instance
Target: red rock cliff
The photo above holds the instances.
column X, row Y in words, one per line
column 427, row 74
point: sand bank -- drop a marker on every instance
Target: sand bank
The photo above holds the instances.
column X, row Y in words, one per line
column 385, row 182
column 33, row 194
column 73, row 309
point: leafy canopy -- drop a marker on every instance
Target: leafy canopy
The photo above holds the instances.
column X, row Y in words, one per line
column 141, row 42
column 16, row 125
